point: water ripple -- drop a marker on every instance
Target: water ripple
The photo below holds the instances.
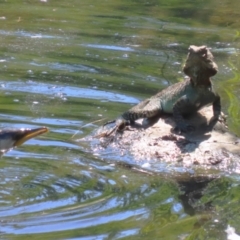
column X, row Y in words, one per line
column 74, row 220
column 27, row 34
column 108, row 47
column 54, row 90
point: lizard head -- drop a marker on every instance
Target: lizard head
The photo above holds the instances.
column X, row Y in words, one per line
column 199, row 65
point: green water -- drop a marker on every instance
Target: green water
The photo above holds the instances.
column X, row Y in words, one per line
column 64, row 65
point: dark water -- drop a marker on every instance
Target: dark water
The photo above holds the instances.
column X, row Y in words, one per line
column 66, row 64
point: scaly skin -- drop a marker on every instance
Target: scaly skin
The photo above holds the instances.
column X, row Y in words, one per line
column 182, row 98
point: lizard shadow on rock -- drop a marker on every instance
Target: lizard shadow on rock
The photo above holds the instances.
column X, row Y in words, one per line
column 187, row 141
column 192, row 139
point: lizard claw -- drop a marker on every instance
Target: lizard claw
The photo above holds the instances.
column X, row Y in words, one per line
column 222, row 118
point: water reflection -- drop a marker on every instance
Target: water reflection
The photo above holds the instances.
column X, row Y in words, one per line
column 106, row 47
column 26, row 34
column 63, row 92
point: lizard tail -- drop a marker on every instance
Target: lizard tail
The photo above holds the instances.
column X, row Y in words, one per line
column 109, row 122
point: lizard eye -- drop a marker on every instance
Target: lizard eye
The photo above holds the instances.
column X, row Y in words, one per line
column 203, row 49
column 204, row 52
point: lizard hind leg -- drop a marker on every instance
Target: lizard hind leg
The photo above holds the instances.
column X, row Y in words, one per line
column 149, row 108
column 120, row 124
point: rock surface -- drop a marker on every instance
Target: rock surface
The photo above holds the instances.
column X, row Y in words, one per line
column 207, row 147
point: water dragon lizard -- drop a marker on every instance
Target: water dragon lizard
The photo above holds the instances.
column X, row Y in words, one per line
column 181, row 98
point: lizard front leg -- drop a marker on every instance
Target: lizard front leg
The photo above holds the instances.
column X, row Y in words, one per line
column 216, row 112
column 182, row 103
column 217, row 107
